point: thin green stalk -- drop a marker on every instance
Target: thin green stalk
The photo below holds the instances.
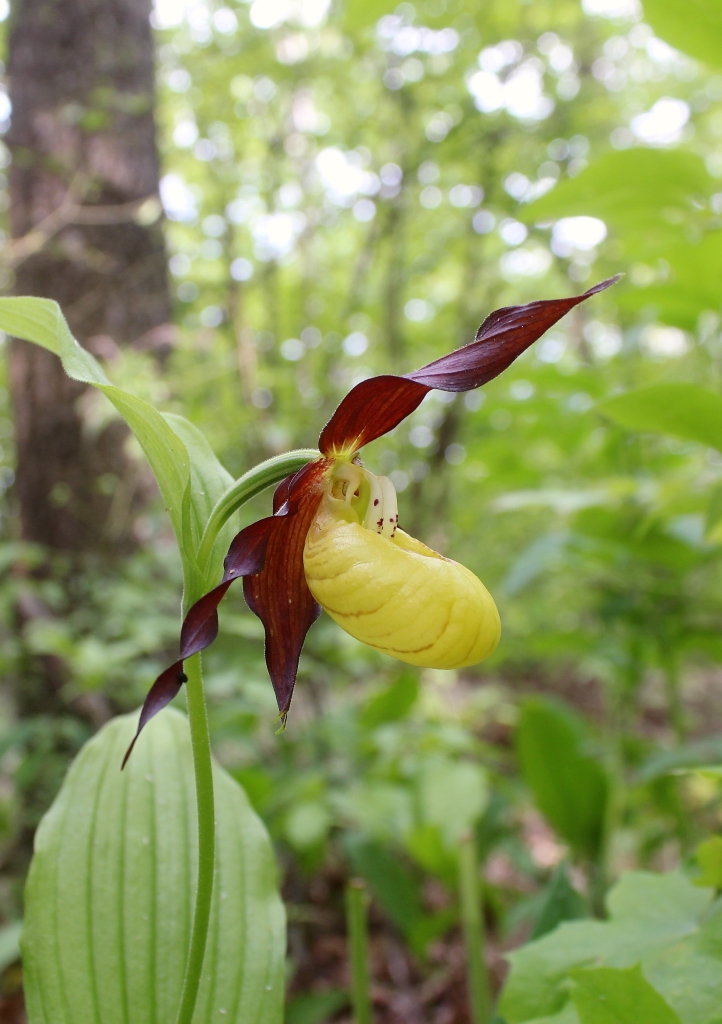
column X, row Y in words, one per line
column 251, row 483
column 477, row 977
column 264, row 475
column 358, row 951
column 203, row 769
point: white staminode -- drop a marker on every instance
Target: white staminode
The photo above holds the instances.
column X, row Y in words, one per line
column 382, row 514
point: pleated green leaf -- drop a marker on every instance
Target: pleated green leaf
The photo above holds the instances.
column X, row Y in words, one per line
column 110, row 893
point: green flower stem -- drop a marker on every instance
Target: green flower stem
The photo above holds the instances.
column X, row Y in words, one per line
column 203, row 768
column 358, row 951
column 469, row 898
column 264, row 475
column 251, row 483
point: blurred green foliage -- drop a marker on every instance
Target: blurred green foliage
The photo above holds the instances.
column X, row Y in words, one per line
column 350, row 190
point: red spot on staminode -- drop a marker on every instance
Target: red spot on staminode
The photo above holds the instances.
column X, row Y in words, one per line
column 376, row 501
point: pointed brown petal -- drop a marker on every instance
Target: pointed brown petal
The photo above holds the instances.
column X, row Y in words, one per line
column 281, row 494
column 161, row 693
column 279, row 595
column 246, row 554
column 503, row 336
column 377, row 405
column 370, row 410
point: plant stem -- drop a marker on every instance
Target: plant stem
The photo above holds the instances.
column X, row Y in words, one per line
column 476, row 974
column 358, row 951
column 203, row 770
column 251, row 483
column 272, row 471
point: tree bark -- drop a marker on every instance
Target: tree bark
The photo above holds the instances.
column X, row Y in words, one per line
column 82, row 91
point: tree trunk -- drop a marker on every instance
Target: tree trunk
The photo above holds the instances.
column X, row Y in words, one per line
column 82, row 133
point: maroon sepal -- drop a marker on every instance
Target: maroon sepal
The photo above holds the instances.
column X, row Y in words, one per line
column 246, row 555
column 379, row 404
column 279, row 595
column 503, row 336
column 370, row 410
column 161, row 693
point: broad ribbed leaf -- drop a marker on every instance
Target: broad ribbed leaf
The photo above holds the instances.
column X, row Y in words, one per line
column 109, row 899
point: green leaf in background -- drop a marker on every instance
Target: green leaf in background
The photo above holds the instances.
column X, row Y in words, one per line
column 628, row 190
column 570, row 788
column 10, row 944
column 361, row 14
column 698, row 754
column 561, row 902
column 452, row 796
column 683, row 410
column 393, row 703
column 663, row 922
column 392, row 884
column 692, row 284
column 316, row 1007
column 566, row 1016
column 654, row 203
column 397, row 892
column 607, row 995
column 110, row 893
column 709, row 858
column 694, row 26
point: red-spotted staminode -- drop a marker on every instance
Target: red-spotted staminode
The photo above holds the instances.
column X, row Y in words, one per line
column 333, row 539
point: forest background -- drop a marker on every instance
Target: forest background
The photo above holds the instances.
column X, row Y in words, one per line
column 345, row 190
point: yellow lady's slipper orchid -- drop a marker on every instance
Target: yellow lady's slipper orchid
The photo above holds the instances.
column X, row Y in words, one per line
column 388, row 589
column 333, row 540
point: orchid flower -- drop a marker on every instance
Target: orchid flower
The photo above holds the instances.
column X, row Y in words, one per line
column 333, row 540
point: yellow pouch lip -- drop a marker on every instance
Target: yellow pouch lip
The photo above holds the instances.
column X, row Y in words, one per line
column 396, row 594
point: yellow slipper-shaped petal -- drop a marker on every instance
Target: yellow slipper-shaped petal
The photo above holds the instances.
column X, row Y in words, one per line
column 397, row 595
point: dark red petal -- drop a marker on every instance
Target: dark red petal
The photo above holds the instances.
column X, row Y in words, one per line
column 281, row 494
column 370, row 410
column 279, row 595
column 161, row 693
column 503, row 336
column 379, row 404
column 246, row 554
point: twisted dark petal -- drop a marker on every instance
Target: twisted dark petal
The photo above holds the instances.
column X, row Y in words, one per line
column 279, row 595
column 370, row 410
column 377, row 405
column 161, row 693
column 501, row 339
column 246, row 554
